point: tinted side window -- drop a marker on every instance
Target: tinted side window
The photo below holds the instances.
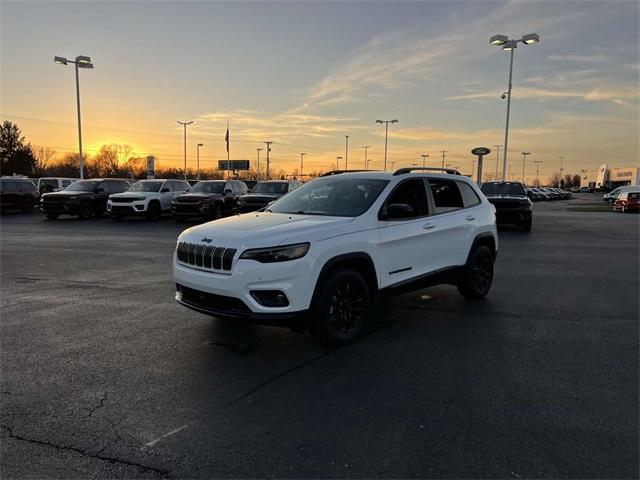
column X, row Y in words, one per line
column 411, row 193
column 446, row 195
column 469, row 196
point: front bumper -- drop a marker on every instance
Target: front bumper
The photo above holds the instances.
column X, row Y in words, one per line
column 188, row 210
column 68, row 208
column 512, row 216
column 228, row 293
column 126, row 209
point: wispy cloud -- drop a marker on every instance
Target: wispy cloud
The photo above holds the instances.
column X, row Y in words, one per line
column 615, row 94
column 598, row 57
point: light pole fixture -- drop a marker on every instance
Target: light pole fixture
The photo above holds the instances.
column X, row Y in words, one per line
column 302, row 154
column 184, row 124
column 338, row 162
column 444, row 153
column 424, row 159
column 346, row 152
column 497, row 147
column 386, row 137
column 81, row 61
column 258, row 165
column 561, row 169
column 198, row 158
column 268, row 143
column 366, row 162
column 524, row 161
column 510, row 45
column 537, row 162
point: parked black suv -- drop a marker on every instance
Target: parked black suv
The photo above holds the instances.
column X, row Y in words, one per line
column 18, row 194
column 209, row 199
column 512, row 203
column 266, row 192
column 83, row 198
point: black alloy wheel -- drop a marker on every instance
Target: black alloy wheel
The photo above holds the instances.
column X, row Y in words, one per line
column 477, row 276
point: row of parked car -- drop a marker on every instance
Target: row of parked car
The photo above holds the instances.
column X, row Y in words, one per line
column 537, row 194
column 208, row 199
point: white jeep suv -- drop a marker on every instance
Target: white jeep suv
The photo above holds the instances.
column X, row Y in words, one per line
column 149, row 198
column 318, row 257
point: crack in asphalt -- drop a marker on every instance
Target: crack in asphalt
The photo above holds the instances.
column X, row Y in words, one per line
column 84, row 453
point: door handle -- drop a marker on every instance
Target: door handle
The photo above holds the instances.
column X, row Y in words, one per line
column 470, row 217
column 429, row 226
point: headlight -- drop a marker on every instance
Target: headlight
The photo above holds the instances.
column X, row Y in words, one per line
column 139, row 199
column 276, row 254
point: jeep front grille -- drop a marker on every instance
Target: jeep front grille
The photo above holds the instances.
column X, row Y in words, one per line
column 205, row 257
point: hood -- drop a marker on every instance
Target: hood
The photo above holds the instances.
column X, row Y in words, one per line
column 266, row 229
column 506, row 196
column 130, row 193
column 261, row 197
column 65, row 194
column 186, row 197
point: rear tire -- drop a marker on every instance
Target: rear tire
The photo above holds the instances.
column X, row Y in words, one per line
column 27, row 206
column 477, row 276
column 154, row 211
column 340, row 310
column 85, row 211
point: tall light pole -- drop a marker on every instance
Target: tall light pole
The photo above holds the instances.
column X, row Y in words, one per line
column 346, row 152
column 524, row 161
column 268, row 144
column 444, row 153
column 498, row 147
column 537, row 162
column 510, row 45
column 184, row 124
column 386, row 137
column 473, row 168
column 338, row 162
column 302, row 154
column 198, row 157
column 258, row 165
column 561, row 169
column 366, row 162
column 424, row 159
column 81, row 61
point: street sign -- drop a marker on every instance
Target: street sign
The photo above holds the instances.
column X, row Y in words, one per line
column 233, row 165
column 151, row 161
column 480, row 151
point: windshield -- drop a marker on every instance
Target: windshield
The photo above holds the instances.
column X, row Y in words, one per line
column 331, row 196
column 502, row 188
column 146, row 187
column 48, row 182
column 279, row 188
column 82, row 186
column 208, row 187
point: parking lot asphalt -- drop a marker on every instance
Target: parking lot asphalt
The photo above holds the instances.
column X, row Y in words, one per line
column 104, row 375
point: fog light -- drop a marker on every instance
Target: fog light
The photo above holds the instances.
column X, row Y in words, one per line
column 139, row 207
column 270, row 298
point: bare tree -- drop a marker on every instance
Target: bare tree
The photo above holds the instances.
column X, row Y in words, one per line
column 43, row 157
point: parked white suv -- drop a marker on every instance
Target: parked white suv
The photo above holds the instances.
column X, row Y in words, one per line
column 148, row 198
column 319, row 256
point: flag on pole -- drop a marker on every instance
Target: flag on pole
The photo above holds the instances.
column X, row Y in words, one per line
column 226, row 137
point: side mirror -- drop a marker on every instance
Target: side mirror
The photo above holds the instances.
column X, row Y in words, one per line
column 165, row 190
column 398, row 210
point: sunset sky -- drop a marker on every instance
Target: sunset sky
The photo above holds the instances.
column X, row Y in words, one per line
column 305, row 74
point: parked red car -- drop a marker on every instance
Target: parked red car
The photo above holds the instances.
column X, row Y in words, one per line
column 627, row 202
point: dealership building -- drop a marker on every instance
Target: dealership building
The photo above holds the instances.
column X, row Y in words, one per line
column 610, row 177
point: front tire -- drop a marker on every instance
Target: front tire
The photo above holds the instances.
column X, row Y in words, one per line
column 217, row 212
column 85, row 211
column 525, row 226
column 52, row 216
column 154, row 211
column 341, row 307
column 477, row 276
column 27, row 206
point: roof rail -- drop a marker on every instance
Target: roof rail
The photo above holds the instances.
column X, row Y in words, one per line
column 338, row 172
column 402, row 171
